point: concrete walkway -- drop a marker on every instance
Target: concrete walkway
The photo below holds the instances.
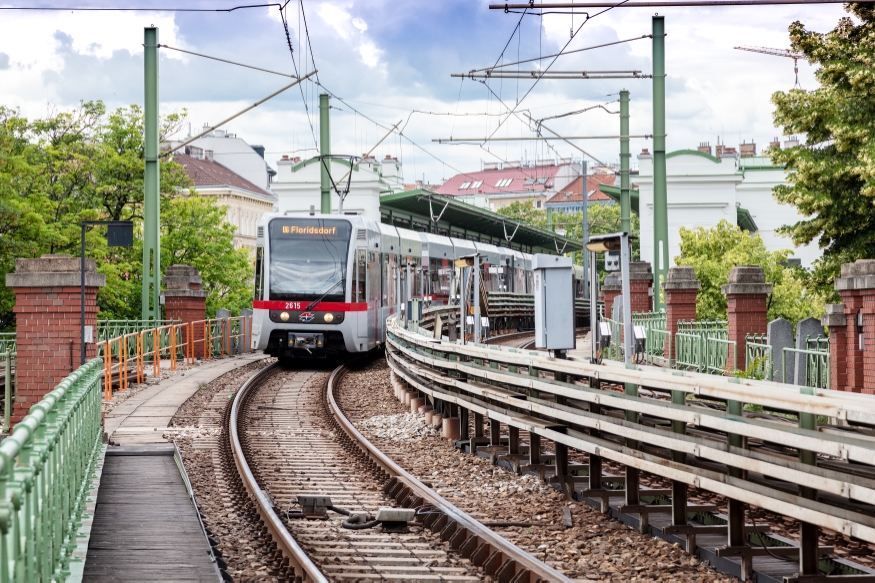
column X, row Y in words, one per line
column 141, row 419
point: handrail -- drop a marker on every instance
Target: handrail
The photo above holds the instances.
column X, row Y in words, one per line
column 44, row 467
column 463, row 375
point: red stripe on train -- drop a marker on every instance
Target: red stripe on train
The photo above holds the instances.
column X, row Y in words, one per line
column 320, row 307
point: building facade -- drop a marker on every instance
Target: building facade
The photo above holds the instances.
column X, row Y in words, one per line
column 245, row 202
column 703, row 189
column 570, row 198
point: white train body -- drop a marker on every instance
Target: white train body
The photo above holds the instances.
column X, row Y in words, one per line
column 325, row 284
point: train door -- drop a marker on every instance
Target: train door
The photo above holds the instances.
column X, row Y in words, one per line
column 360, row 290
column 373, row 297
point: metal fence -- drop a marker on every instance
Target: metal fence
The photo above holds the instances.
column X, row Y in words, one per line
column 758, row 356
column 45, row 465
column 704, row 346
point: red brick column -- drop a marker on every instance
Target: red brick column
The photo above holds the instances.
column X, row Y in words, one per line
column 857, row 288
column 837, row 324
column 47, row 317
column 610, row 290
column 746, row 297
column 681, row 287
column 185, row 300
column 641, row 283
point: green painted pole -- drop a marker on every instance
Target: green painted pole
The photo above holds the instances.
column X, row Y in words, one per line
column 660, row 196
column 625, row 156
column 152, row 181
column 325, row 151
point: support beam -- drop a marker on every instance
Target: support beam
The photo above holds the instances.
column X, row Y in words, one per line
column 625, row 195
column 150, row 297
column 660, row 195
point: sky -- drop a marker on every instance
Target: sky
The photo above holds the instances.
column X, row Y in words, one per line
column 391, row 61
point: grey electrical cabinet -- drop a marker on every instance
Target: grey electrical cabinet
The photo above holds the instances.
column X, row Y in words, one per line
column 554, row 302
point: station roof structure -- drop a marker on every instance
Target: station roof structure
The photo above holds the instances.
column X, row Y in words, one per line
column 415, row 210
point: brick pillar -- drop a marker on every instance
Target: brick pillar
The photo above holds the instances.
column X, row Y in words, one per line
column 857, row 288
column 746, row 296
column 610, row 290
column 47, row 316
column 185, row 300
column 681, row 287
column 837, row 324
column 641, row 282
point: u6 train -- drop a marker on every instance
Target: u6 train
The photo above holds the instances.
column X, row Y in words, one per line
column 325, row 284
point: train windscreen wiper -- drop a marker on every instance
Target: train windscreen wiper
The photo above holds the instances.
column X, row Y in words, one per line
column 314, row 302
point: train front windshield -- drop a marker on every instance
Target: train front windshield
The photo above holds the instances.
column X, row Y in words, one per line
column 308, row 258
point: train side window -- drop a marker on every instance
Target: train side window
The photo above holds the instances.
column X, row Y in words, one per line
column 361, row 275
column 259, row 278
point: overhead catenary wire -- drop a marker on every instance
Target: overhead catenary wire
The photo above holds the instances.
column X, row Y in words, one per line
column 537, row 138
column 513, row 8
column 285, row 21
column 134, row 8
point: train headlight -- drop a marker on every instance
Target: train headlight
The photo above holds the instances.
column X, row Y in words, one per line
column 284, row 316
column 329, row 317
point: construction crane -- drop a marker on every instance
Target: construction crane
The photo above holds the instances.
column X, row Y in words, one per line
column 779, row 53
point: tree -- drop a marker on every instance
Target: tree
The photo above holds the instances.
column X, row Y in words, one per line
column 87, row 164
column 713, row 252
column 831, row 179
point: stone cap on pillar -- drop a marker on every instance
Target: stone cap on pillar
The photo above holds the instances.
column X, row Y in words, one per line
column 857, row 275
column 54, row 271
column 681, row 277
column 640, row 270
column 183, row 281
column 835, row 316
column 747, row 279
column 612, row 283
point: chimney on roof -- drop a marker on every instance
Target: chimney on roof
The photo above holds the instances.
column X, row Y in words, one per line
column 718, row 150
column 388, row 157
column 296, row 159
column 490, row 165
column 208, row 155
column 704, row 147
column 791, row 142
column 775, row 144
column 748, row 150
column 645, row 151
column 724, row 151
column 285, row 158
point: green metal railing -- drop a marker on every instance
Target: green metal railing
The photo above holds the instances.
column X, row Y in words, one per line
column 704, row 346
column 8, row 360
column 7, row 341
column 816, row 355
column 658, row 340
column 44, row 467
column 758, row 356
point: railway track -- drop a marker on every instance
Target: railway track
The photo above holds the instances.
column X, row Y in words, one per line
column 289, row 440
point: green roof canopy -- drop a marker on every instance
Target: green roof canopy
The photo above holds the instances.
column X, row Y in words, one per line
column 415, row 209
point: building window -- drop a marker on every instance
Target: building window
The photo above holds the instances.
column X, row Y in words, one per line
column 476, row 184
column 465, row 185
column 503, row 182
column 529, row 181
column 542, row 180
column 539, row 204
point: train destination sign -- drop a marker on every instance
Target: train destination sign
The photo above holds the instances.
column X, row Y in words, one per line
column 298, row 230
column 322, row 229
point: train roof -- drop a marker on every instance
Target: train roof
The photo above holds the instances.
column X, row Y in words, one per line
column 460, row 219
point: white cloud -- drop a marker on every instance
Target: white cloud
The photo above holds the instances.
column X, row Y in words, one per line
column 360, row 24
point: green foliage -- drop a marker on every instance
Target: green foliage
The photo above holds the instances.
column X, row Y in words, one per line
column 713, row 252
column 831, row 180
column 87, row 164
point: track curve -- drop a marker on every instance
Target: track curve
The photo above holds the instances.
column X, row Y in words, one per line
column 288, row 436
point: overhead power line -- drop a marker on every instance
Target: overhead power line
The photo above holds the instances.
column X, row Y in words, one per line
column 227, row 61
column 555, row 75
column 534, row 138
column 650, row 4
column 135, row 8
column 565, row 53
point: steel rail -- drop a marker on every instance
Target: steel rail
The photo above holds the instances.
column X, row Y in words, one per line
column 537, row 569
column 298, row 559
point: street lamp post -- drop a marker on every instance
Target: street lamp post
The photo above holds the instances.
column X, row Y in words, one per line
column 118, row 234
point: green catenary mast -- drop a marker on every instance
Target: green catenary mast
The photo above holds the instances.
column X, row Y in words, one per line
column 660, row 197
column 625, row 202
column 325, row 151
column 151, row 183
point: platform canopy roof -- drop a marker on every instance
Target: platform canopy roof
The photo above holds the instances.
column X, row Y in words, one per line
column 415, row 210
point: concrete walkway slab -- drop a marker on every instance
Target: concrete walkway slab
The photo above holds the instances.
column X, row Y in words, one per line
column 141, row 420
